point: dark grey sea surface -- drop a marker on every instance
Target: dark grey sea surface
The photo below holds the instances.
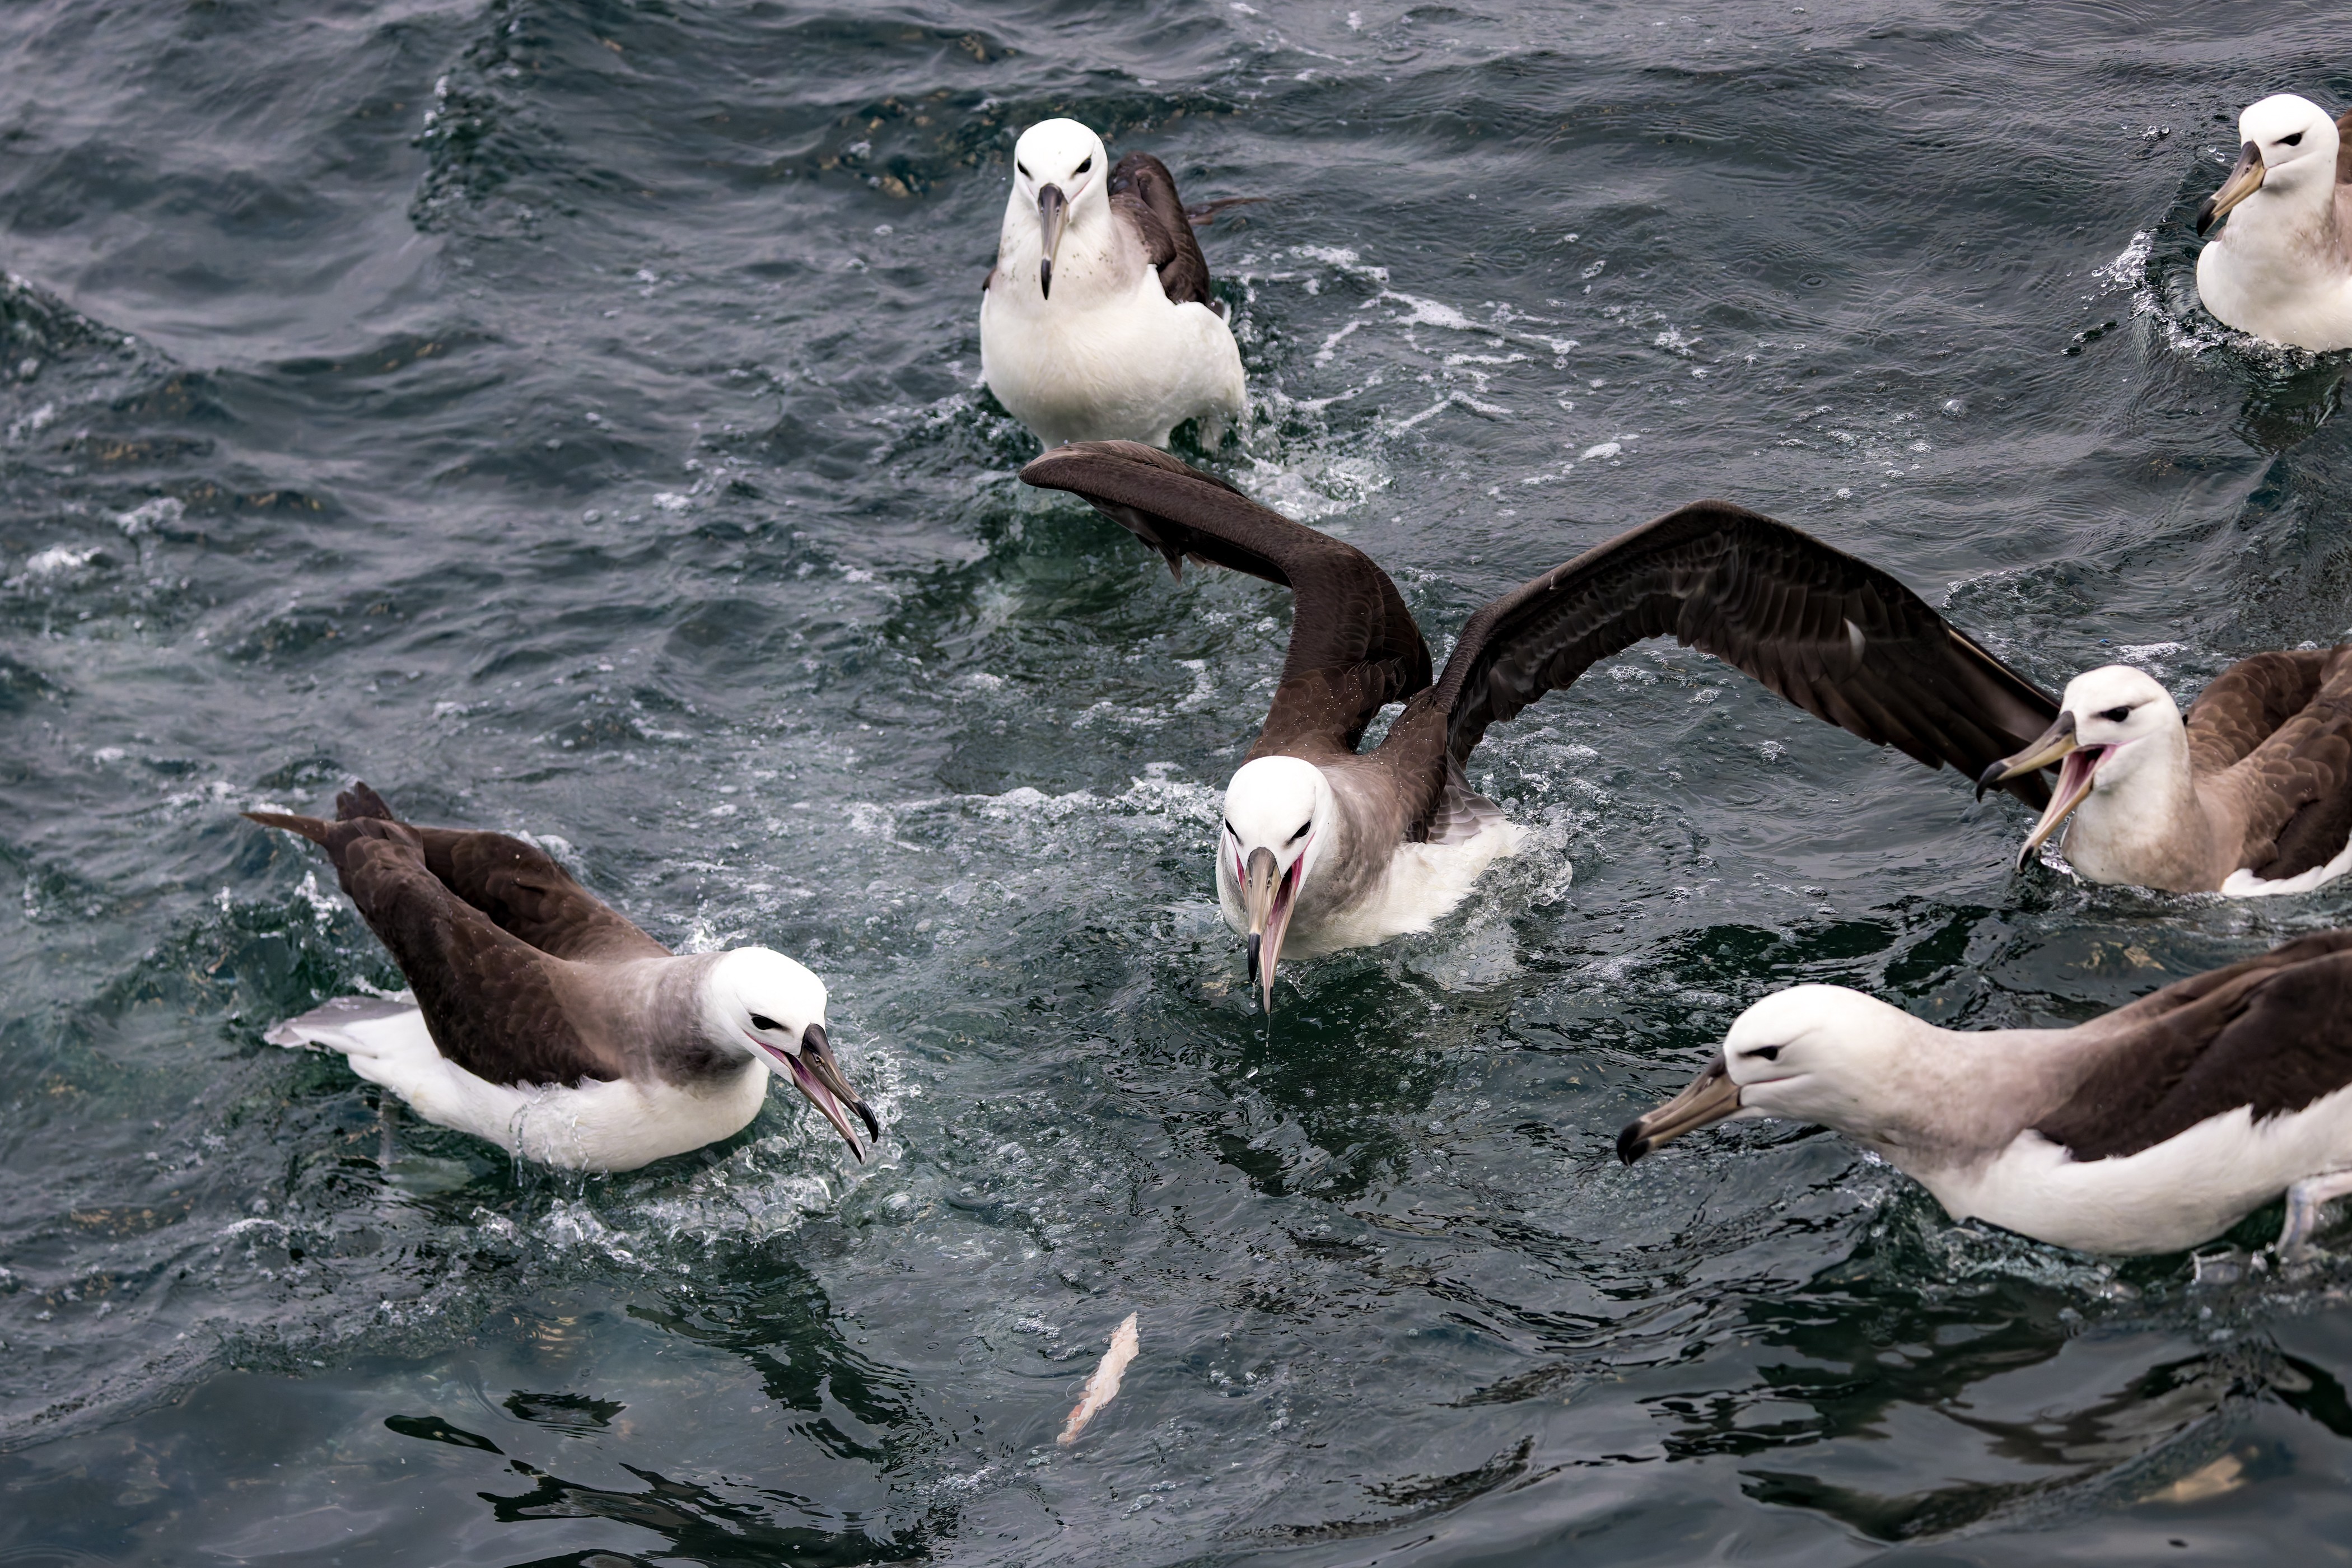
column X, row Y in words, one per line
column 565, row 417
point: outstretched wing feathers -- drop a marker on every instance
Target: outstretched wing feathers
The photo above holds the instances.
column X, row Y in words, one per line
column 1835, row 636
column 1353, row 644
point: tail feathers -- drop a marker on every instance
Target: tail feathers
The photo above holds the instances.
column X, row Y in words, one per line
column 310, row 827
column 358, row 802
column 355, row 1026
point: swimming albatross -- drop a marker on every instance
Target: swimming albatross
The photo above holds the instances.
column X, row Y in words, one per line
column 2282, row 268
column 1323, row 848
column 2150, row 1129
column 543, row 1021
column 2252, row 794
column 1097, row 323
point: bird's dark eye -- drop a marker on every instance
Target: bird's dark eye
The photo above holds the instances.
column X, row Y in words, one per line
column 1234, row 831
column 1302, row 830
column 1090, row 159
column 2293, row 141
column 1023, row 167
column 2115, row 715
column 1766, row 1053
column 761, row 1021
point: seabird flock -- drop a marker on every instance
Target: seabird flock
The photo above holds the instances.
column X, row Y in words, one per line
column 544, row 1022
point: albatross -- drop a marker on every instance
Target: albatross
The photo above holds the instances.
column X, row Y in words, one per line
column 2150, row 1129
column 1097, row 323
column 1324, row 847
column 2282, row 269
column 2250, row 795
column 543, row 1021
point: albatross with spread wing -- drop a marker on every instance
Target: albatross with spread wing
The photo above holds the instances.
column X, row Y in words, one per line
column 1325, row 848
column 543, row 1021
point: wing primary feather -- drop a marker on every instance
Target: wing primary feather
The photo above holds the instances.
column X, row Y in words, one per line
column 1832, row 634
column 1353, row 644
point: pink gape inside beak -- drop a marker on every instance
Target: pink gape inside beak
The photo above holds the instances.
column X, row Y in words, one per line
column 2075, row 774
column 815, row 1073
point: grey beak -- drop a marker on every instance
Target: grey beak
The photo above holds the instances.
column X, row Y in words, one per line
column 1053, row 209
column 816, row 1073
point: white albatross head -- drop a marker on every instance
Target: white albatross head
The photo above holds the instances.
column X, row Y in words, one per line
column 1061, row 172
column 1279, row 813
column 2287, row 150
column 1819, row 1054
column 2105, row 720
column 769, row 1007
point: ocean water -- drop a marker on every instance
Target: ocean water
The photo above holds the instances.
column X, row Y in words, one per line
column 564, row 416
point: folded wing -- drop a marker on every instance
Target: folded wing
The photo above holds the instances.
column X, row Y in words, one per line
column 2266, row 1034
column 2275, row 731
column 1142, row 188
column 489, row 996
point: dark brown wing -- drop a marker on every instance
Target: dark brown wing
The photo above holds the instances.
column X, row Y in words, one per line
column 528, row 895
column 519, row 886
column 1144, row 192
column 1353, row 646
column 2343, row 148
column 2268, row 1035
column 487, row 997
column 1835, row 636
column 2277, row 728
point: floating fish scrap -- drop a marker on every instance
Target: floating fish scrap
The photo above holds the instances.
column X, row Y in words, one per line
column 1103, row 1386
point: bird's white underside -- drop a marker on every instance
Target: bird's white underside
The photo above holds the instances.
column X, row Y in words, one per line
column 2278, row 268
column 1108, row 364
column 1106, row 356
column 2168, row 1198
column 616, row 1125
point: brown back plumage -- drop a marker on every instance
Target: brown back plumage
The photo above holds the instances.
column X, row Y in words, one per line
column 2275, row 732
column 1145, row 192
column 476, row 922
column 2268, row 1034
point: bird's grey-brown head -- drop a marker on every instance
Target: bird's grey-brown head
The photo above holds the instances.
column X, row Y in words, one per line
column 2117, row 731
column 1061, row 173
column 769, row 1007
column 1278, row 823
column 2286, row 143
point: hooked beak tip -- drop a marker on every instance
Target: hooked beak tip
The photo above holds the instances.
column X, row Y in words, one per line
column 1631, row 1143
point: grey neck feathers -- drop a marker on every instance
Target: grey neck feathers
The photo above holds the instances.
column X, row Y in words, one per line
column 658, row 1025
